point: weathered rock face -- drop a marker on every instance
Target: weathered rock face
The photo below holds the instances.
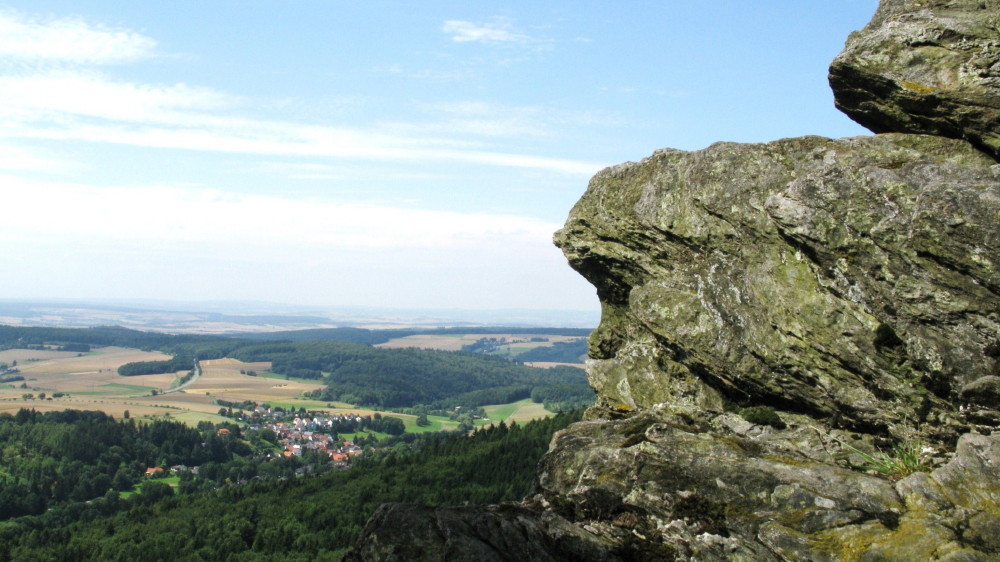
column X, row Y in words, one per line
column 850, row 284
column 928, row 66
column 705, row 487
column 775, row 316
column 407, row 532
column 853, row 280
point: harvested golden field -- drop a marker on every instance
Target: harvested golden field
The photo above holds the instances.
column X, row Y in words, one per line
column 94, row 373
column 442, row 342
column 116, row 407
column 91, row 382
column 106, row 359
column 31, row 355
column 221, row 378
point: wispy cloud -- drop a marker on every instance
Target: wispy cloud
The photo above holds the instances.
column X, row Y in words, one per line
column 75, row 101
column 90, row 107
column 471, row 119
column 500, row 30
column 171, row 216
column 72, row 40
column 47, row 95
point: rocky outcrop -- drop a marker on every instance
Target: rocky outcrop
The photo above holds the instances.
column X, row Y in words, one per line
column 925, row 66
column 855, row 280
column 716, row 487
column 799, row 351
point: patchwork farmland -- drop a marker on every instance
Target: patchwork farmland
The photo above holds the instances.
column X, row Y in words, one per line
column 59, row 380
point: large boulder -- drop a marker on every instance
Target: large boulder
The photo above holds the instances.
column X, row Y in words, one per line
column 927, row 66
column 854, row 280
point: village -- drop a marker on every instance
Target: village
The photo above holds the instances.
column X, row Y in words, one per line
column 302, row 434
column 296, row 436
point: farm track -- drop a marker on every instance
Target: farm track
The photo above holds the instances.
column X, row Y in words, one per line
column 197, row 375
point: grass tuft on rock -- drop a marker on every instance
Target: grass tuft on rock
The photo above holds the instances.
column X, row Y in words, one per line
column 904, row 460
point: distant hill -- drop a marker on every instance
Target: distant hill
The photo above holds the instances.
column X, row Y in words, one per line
column 375, row 336
column 227, row 318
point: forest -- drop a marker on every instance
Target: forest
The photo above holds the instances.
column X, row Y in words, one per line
column 395, row 378
column 303, row 518
column 52, row 458
column 558, row 352
column 26, row 337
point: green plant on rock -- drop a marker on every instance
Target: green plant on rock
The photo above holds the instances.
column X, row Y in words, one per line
column 904, row 460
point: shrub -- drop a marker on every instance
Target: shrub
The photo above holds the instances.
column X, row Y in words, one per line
column 762, row 415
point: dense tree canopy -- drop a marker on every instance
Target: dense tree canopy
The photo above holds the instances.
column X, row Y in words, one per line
column 50, row 458
column 312, row 518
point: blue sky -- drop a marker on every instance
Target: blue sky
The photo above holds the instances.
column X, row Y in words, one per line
column 396, row 154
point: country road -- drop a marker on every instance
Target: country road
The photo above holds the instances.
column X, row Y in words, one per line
column 197, row 374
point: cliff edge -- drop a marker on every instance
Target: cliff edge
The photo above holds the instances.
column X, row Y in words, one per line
column 799, row 352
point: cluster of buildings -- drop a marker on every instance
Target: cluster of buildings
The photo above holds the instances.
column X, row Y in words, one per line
column 303, row 434
column 300, row 435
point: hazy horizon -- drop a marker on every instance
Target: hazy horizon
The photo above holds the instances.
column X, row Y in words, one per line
column 256, row 316
column 379, row 154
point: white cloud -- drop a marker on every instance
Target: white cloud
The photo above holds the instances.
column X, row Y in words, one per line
column 92, row 238
column 89, row 107
column 500, row 30
column 56, row 95
column 69, row 40
column 171, row 216
column 28, row 159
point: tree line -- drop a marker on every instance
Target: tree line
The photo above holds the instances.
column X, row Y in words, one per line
column 398, row 378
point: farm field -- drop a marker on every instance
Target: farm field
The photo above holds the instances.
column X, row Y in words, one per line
column 91, row 382
column 520, row 412
column 94, row 373
column 225, row 379
column 550, row 364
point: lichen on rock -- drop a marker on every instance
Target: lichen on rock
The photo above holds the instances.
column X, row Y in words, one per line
column 925, row 66
column 853, row 280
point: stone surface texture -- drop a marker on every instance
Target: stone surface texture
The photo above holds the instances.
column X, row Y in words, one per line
column 799, row 351
column 925, row 66
column 854, row 280
column 406, row 532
